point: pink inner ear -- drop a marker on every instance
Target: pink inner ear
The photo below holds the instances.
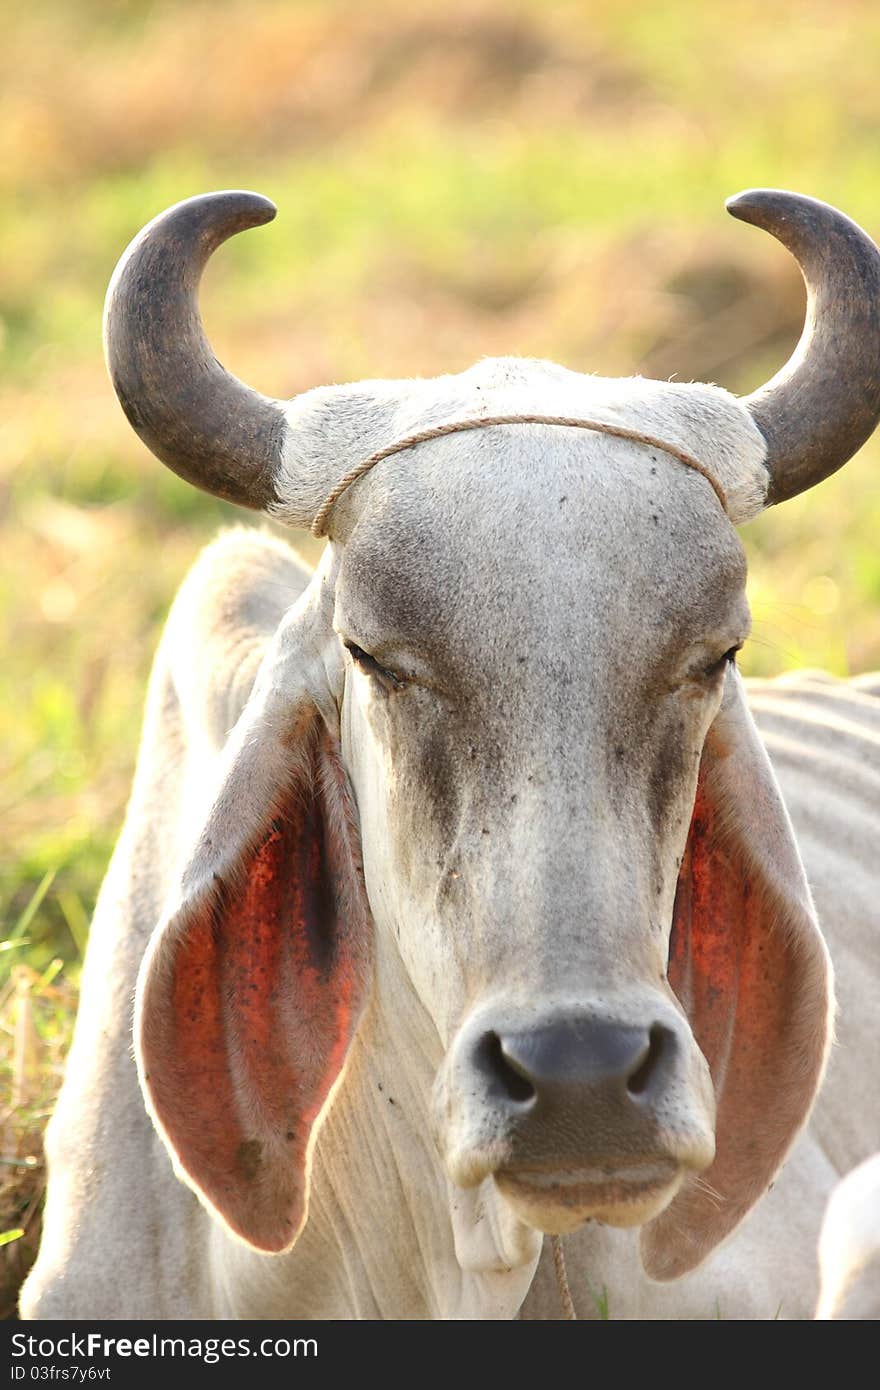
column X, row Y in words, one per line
column 729, row 971
column 748, row 966
column 249, row 1012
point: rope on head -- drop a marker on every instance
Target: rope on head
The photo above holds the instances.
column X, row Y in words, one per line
column 481, row 422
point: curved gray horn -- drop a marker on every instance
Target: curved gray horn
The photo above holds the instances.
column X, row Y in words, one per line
column 825, row 402
column 208, row 427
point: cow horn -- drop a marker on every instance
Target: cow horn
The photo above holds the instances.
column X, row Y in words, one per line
column 825, row 402
column 208, row 427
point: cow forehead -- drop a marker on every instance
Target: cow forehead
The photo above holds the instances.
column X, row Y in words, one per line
column 540, row 537
column 332, row 430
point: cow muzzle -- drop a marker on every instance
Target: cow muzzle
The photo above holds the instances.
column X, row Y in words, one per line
column 588, row 1113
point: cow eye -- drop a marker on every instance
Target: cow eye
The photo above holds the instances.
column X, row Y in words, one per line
column 728, row 659
column 369, row 664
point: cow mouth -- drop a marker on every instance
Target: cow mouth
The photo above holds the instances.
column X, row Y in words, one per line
column 557, row 1200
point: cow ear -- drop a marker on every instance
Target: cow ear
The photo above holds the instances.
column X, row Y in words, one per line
column 251, row 990
column 748, row 963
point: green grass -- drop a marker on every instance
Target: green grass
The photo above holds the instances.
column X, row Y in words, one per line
column 544, row 177
column 600, row 1300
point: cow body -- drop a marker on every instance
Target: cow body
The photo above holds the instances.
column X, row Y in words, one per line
column 387, row 1236
column 849, row 1246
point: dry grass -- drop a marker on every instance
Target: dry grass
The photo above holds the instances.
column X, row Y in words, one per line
column 36, row 1012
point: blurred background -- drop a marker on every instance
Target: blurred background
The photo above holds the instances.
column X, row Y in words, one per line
column 543, row 177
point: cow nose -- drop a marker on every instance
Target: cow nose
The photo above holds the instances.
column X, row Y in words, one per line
column 574, row 1063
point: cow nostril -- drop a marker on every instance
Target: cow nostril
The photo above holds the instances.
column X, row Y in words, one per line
column 659, row 1041
column 490, row 1055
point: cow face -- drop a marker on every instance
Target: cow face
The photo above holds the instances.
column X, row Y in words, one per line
column 526, row 692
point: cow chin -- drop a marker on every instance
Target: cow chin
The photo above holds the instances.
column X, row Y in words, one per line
column 558, row 1202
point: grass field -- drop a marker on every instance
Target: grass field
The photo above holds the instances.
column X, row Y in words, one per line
column 544, row 177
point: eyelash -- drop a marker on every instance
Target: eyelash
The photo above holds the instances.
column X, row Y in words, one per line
column 728, row 659
column 371, row 666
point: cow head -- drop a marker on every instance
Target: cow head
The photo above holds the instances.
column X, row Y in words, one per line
column 498, row 755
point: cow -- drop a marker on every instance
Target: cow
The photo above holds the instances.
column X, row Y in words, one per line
column 457, row 896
